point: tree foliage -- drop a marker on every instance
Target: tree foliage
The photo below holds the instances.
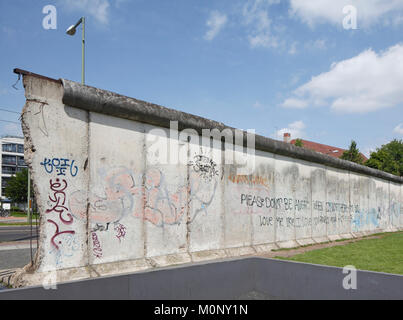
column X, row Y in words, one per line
column 388, row 158
column 299, row 143
column 17, row 187
column 353, row 154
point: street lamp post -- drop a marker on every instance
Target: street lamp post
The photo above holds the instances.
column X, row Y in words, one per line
column 71, row 31
column 29, row 197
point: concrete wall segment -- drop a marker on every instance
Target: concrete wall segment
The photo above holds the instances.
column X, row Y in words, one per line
column 121, row 191
column 113, row 104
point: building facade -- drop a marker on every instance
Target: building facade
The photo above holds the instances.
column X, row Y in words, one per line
column 12, row 159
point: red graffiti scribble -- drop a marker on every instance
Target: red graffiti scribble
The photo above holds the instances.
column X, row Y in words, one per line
column 121, row 231
column 164, row 208
column 59, row 198
column 156, row 203
column 249, row 180
column 57, row 233
column 147, row 196
column 97, row 250
column 111, row 206
column 78, row 205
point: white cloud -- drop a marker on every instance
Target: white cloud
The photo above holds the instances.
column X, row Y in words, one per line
column 98, row 9
column 295, row 78
column 257, row 105
column 399, row 129
column 295, row 103
column 215, row 23
column 320, row 44
column 293, row 48
column 398, row 20
column 364, row 83
column 369, row 12
column 256, row 17
column 296, row 129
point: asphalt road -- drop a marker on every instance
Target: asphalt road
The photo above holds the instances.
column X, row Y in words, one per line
column 16, row 258
column 10, row 259
column 17, row 233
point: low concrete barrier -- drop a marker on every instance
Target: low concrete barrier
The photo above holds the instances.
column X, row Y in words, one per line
column 124, row 185
column 245, row 279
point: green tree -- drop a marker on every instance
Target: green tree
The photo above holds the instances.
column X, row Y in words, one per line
column 388, row 158
column 299, row 143
column 353, row 154
column 17, row 187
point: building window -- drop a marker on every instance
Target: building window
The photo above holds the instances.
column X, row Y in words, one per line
column 8, row 170
column 8, row 159
column 21, row 161
column 4, row 182
column 20, row 148
column 9, row 147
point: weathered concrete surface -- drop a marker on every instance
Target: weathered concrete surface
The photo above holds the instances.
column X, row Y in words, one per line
column 121, row 190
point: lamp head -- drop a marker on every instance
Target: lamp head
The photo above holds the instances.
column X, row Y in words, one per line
column 71, row 31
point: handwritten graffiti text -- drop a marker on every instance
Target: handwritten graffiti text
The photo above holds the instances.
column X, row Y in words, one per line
column 60, row 165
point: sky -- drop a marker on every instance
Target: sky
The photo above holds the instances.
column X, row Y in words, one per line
column 325, row 71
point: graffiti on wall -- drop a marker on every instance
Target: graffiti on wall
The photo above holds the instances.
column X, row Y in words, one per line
column 147, row 196
column 63, row 241
column 152, row 196
column 96, row 245
column 394, row 213
column 204, row 177
column 57, row 202
column 68, row 245
column 251, row 195
column 163, row 205
column 205, row 167
column 249, row 180
column 246, row 194
column 362, row 219
column 120, row 231
column 60, row 166
column 395, row 209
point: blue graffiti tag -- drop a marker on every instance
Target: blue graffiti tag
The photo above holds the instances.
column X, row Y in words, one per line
column 60, row 165
column 395, row 209
column 362, row 219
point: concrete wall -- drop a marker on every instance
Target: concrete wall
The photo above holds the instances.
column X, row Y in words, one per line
column 120, row 191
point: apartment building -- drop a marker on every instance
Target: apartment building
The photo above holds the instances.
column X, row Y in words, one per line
column 12, row 159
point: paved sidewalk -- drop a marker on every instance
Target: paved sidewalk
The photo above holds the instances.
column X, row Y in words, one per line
column 14, row 220
column 16, row 245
